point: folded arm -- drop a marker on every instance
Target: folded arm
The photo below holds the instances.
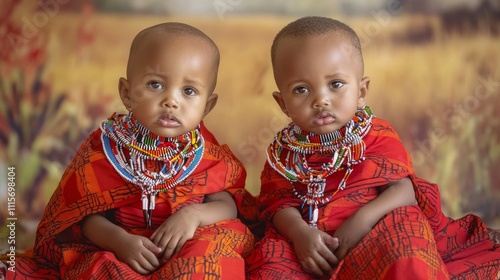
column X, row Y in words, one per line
column 216, row 207
column 394, row 195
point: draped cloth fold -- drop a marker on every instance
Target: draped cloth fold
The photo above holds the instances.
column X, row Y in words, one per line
column 90, row 185
column 419, row 240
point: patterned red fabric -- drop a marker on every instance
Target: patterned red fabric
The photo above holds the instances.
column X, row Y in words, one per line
column 91, row 185
column 417, row 241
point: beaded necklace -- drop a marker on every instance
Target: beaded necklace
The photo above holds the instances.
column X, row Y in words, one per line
column 137, row 154
column 289, row 151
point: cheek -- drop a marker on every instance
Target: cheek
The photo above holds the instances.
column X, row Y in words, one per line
column 195, row 112
column 296, row 104
column 139, row 96
column 296, row 112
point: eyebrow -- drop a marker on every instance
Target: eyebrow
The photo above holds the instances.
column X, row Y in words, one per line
column 337, row 76
column 195, row 82
column 152, row 74
column 296, row 81
column 185, row 80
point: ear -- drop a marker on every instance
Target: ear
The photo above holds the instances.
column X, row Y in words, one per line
column 211, row 102
column 364, row 86
column 279, row 99
column 124, row 90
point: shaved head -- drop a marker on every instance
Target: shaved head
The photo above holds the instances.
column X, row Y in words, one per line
column 317, row 26
column 165, row 30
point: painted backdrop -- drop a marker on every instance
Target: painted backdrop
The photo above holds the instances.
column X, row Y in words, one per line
column 435, row 72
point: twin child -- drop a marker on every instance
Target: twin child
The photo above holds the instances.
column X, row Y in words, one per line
column 153, row 195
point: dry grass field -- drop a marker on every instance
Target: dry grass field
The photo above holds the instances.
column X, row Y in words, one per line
column 440, row 90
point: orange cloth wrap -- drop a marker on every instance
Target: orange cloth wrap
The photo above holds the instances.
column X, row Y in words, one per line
column 90, row 185
column 419, row 242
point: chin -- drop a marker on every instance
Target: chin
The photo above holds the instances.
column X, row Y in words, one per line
column 168, row 132
column 325, row 129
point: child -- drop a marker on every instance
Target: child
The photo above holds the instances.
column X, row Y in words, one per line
column 150, row 194
column 339, row 193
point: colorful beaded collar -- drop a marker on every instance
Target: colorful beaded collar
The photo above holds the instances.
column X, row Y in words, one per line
column 152, row 162
column 289, row 151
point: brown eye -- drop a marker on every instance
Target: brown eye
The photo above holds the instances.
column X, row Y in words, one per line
column 189, row 91
column 300, row 90
column 155, row 85
column 336, row 84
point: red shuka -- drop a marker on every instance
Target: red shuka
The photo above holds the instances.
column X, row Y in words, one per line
column 420, row 238
column 90, row 185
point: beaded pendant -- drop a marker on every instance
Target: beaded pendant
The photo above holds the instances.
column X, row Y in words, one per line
column 152, row 162
column 289, row 151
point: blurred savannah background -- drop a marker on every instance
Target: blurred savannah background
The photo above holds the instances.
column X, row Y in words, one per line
column 435, row 70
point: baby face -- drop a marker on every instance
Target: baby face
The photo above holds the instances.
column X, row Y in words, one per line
column 170, row 83
column 319, row 81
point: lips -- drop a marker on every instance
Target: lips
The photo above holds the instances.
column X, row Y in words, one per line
column 323, row 118
column 169, row 120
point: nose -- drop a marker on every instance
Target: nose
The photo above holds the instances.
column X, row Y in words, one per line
column 321, row 99
column 169, row 100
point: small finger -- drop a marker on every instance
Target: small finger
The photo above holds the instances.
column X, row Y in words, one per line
column 169, row 249
column 157, row 237
column 148, row 244
column 310, row 266
column 180, row 244
column 152, row 237
column 332, row 244
column 321, row 261
column 327, row 255
column 325, row 267
column 146, row 265
column 163, row 244
column 151, row 259
column 138, row 268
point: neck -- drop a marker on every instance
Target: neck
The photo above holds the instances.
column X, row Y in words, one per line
column 292, row 147
column 130, row 133
column 301, row 141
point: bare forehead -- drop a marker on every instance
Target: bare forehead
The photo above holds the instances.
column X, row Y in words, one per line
column 156, row 41
column 291, row 47
column 317, row 41
column 151, row 41
column 171, row 30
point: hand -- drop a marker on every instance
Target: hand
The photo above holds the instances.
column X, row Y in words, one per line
column 138, row 252
column 314, row 249
column 350, row 233
column 175, row 231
